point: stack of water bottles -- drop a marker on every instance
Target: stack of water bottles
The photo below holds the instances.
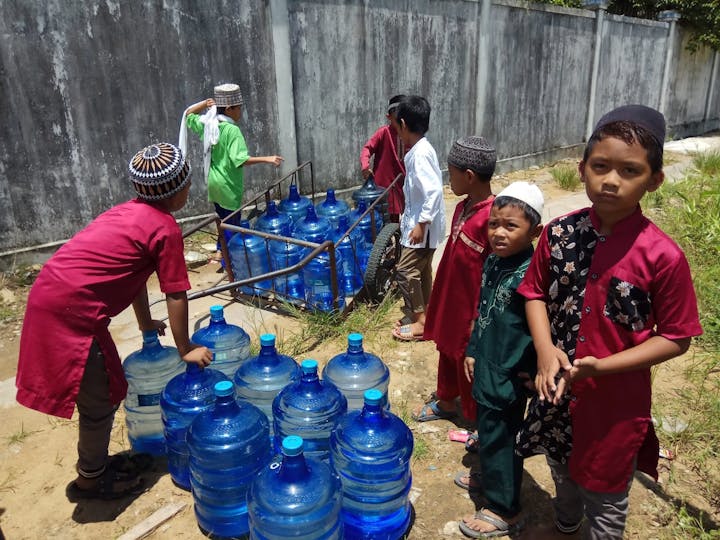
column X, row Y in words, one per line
column 341, row 465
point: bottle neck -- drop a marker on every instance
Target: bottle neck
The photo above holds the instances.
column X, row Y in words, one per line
column 294, row 468
column 150, row 343
column 214, row 321
column 372, row 413
column 268, row 353
column 225, row 404
column 311, row 380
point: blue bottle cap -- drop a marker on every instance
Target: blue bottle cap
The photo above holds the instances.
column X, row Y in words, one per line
column 355, row 339
column 267, row 340
column 373, row 396
column 216, row 312
column 292, row 445
column 223, row 388
column 309, row 366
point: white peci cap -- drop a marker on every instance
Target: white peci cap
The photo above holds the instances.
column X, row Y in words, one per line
column 528, row 193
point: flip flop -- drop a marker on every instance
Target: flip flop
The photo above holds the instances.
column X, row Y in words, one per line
column 471, row 444
column 431, row 411
column 475, row 483
column 404, row 333
column 502, row 527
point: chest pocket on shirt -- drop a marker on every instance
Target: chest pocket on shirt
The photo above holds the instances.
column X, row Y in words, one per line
column 627, row 305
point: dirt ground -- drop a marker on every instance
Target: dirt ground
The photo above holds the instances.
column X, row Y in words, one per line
column 37, row 453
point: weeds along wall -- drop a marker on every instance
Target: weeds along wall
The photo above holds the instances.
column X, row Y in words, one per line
column 85, row 84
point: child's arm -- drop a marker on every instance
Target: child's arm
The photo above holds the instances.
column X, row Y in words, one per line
column 272, row 160
column 200, row 106
column 654, row 351
column 368, row 150
column 469, row 366
column 550, row 359
column 141, row 307
column 432, row 197
column 177, row 306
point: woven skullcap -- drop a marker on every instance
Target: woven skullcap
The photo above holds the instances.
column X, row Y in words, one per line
column 640, row 115
column 474, row 153
column 228, row 95
column 159, row 171
column 528, row 193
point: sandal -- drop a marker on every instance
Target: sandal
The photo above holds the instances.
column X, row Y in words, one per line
column 432, row 411
column 405, row 333
column 502, row 527
column 468, row 480
column 106, row 487
column 471, row 444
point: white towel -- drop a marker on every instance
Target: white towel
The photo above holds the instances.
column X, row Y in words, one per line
column 211, row 134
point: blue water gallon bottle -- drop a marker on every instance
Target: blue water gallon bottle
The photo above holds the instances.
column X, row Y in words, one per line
column 368, row 193
column 296, row 497
column 285, row 255
column 229, row 343
column 332, row 208
column 295, row 205
column 185, row 396
column 312, row 227
column 308, row 408
column 365, row 224
column 147, row 371
column 261, row 377
column 371, row 450
column 356, row 371
column 317, row 279
column 250, row 256
column 350, row 247
column 273, row 222
column 229, row 444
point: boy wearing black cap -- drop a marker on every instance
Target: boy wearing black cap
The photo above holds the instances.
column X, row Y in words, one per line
column 67, row 355
column 455, row 293
column 608, row 295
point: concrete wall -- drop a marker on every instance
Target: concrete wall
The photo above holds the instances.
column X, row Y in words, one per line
column 85, row 84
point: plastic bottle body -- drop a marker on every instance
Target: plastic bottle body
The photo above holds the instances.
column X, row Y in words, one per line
column 368, row 193
column 249, row 256
column 295, row 205
column 184, row 397
column 308, row 408
column 332, row 208
column 371, row 449
column 274, row 222
column 365, row 224
column 229, row 445
column 317, row 279
column 229, row 343
column 295, row 497
column 147, row 371
column 261, row 377
column 312, row 227
column 285, row 255
column 350, row 248
column 356, row 371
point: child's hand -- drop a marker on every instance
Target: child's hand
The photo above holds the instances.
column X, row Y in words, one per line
column 417, row 235
column 209, row 103
column 160, row 326
column 549, row 364
column 366, row 173
column 469, row 366
column 275, row 160
column 198, row 355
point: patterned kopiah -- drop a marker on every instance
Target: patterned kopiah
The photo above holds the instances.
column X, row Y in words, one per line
column 227, row 95
column 159, row 171
column 474, row 153
column 627, row 305
column 572, row 240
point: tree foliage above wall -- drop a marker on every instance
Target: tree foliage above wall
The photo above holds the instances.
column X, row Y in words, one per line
column 702, row 17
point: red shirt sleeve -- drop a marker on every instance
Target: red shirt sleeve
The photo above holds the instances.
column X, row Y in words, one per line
column 674, row 301
column 370, row 148
column 168, row 250
column 535, row 284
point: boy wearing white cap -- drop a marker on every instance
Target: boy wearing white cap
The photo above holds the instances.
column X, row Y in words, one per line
column 499, row 357
column 226, row 153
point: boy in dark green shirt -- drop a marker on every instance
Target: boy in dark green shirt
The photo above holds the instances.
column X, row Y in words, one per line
column 500, row 349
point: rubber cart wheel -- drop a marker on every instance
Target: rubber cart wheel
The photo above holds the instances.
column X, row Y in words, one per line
column 384, row 256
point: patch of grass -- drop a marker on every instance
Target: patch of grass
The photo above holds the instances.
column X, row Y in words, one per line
column 318, row 326
column 566, row 176
column 707, row 163
column 20, row 436
column 421, row 450
column 7, row 485
column 689, row 526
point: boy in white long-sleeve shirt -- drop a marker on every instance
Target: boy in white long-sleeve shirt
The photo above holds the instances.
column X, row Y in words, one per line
column 422, row 224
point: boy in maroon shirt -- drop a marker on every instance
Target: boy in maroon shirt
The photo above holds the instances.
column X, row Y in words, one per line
column 608, row 295
column 67, row 355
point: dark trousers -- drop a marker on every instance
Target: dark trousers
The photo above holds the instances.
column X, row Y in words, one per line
column 96, row 414
column 501, row 468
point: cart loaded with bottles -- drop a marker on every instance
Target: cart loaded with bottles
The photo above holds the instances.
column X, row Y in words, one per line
column 287, row 246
